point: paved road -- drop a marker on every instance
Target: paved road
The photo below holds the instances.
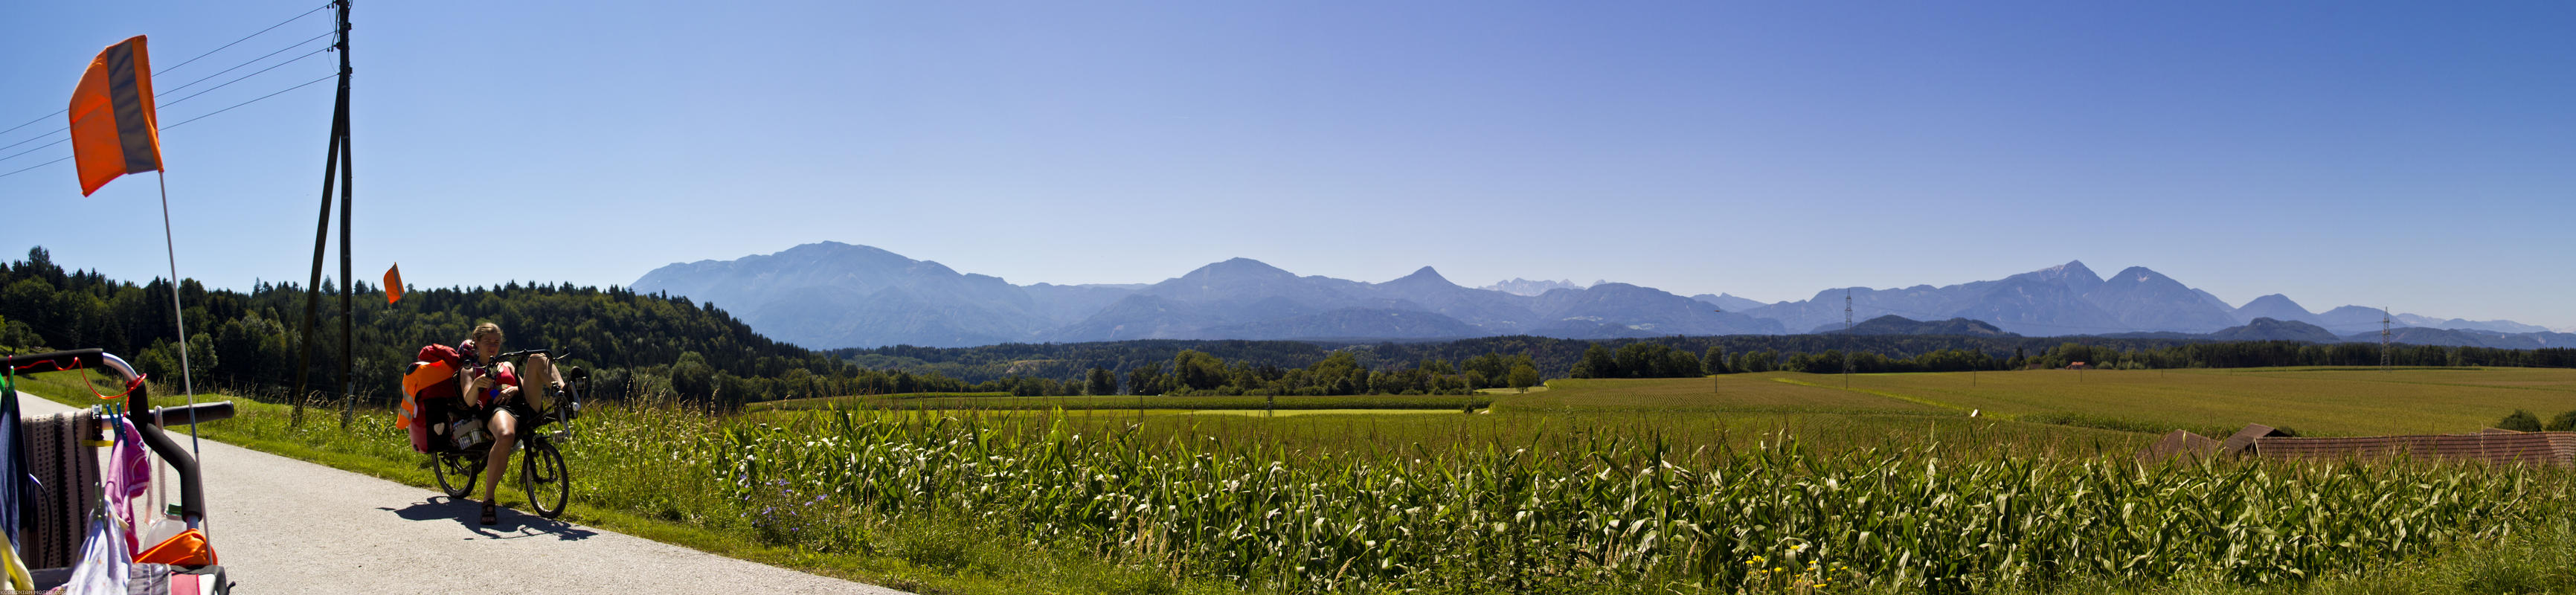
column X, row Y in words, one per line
column 287, row 526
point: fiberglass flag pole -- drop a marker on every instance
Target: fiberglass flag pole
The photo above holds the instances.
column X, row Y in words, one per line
column 186, row 382
column 116, row 132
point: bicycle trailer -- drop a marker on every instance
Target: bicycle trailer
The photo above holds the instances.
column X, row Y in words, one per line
column 65, row 534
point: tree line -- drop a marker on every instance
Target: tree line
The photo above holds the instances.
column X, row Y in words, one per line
column 1656, row 357
column 634, row 344
column 1193, row 372
column 653, row 344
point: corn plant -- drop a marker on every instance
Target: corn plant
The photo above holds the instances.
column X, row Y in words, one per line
column 1625, row 515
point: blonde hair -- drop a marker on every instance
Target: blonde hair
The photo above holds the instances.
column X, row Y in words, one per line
column 481, row 329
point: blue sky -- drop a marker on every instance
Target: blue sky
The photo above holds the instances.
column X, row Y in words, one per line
column 2411, row 155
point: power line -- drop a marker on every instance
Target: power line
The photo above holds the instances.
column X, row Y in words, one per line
column 164, row 104
column 239, row 66
column 38, row 147
column 185, row 122
column 184, row 63
column 30, row 122
column 244, row 38
column 230, row 108
column 172, row 102
column 59, row 160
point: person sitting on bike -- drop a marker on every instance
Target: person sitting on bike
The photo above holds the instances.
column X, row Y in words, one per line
column 497, row 392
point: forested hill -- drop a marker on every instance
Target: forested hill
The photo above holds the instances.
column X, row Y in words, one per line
column 657, row 344
column 238, row 340
column 1558, row 358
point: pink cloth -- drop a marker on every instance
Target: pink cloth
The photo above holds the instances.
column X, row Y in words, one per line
column 129, row 475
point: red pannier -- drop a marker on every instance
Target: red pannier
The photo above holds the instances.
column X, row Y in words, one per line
column 429, row 392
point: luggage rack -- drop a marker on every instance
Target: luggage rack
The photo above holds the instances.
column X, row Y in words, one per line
column 77, row 497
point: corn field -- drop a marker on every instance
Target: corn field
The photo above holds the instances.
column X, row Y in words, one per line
column 1627, row 515
column 1606, row 509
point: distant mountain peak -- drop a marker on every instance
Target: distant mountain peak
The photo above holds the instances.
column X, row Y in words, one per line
column 1892, row 324
column 2263, row 328
column 1242, row 266
column 2074, row 275
column 832, row 247
column 2141, row 274
column 1423, row 275
column 2274, row 301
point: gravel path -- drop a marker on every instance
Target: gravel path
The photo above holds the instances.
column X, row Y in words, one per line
column 287, row 526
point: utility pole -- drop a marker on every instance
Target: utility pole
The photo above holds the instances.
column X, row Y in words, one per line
column 1847, row 337
column 2387, row 360
column 336, row 161
column 1712, row 373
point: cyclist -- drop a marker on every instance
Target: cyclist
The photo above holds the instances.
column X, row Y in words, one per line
column 496, row 387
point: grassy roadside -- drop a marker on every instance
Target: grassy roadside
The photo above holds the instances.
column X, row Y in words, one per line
column 934, row 558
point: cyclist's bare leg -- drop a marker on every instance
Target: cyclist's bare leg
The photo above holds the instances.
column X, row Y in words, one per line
column 505, row 434
column 538, row 375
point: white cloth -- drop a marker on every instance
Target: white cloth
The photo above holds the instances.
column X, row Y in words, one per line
column 105, row 563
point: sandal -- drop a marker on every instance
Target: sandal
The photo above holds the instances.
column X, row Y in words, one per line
column 490, row 516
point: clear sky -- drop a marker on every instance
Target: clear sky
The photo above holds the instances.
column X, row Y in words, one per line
column 2416, row 155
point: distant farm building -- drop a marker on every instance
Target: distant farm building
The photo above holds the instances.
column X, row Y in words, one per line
column 2078, row 366
column 2491, row 445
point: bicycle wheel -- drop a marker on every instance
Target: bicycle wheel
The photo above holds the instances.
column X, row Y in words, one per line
column 549, row 485
column 456, row 473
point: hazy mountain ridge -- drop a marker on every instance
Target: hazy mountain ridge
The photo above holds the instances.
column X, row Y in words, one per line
column 842, row 295
column 1527, row 288
column 2268, row 329
column 2277, row 307
column 831, row 294
column 1898, row 325
column 1729, row 302
column 2417, row 335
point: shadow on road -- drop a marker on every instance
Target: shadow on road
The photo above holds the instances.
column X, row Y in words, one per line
column 468, row 513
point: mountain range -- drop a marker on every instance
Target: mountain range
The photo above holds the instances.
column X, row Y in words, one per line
column 831, row 294
column 1898, row 325
column 1519, row 286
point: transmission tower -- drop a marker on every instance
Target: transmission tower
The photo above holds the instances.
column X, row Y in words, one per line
column 1847, row 337
column 2386, row 359
column 1715, row 376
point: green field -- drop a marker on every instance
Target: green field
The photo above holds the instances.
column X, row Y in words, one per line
column 2314, row 401
column 1003, row 402
column 1756, row 483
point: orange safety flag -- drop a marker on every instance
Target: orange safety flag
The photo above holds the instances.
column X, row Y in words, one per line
column 393, row 284
column 114, row 131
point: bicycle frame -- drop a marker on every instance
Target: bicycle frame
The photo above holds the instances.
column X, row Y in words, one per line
column 147, row 421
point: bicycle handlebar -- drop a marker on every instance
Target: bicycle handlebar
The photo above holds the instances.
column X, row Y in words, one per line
column 138, row 407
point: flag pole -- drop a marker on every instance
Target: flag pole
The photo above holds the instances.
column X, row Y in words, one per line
column 179, row 312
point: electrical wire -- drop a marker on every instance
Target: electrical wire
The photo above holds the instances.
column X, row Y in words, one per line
column 230, row 108
column 182, row 63
column 185, row 122
column 160, row 104
column 243, row 39
column 158, row 92
column 156, row 98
